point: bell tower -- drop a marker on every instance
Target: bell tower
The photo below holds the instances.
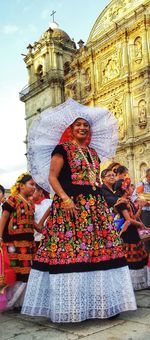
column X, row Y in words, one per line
column 47, row 61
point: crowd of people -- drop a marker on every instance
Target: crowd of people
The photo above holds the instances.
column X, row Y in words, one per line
column 80, row 255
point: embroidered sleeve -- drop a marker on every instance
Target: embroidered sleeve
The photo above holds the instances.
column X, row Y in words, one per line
column 9, row 204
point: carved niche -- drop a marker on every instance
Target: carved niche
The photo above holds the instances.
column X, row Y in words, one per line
column 142, row 114
column 138, row 54
column 87, row 79
column 116, row 108
column 111, row 68
column 143, row 167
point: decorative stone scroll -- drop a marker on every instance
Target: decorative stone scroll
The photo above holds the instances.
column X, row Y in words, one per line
column 142, row 114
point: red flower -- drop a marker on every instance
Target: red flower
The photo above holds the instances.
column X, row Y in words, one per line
column 23, row 250
column 61, row 236
column 50, row 223
column 59, row 220
column 103, row 218
column 68, row 247
column 63, row 255
column 74, row 260
column 109, row 238
column 104, row 233
column 84, row 163
column 90, row 252
column 79, row 234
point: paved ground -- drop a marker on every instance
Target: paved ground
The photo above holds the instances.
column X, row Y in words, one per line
column 129, row 326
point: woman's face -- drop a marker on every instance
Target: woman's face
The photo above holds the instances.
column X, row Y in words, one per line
column 80, row 129
column 28, row 188
column 37, row 194
column 109, row 179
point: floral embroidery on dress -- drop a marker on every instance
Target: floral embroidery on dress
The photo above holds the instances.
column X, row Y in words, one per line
column 91, row 237
column 78, row 165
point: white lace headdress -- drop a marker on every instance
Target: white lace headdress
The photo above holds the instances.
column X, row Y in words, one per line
column 47, row 129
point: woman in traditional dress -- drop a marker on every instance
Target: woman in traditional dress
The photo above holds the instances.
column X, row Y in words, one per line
column 79, row 271
column 137, row 257
column 16, row 232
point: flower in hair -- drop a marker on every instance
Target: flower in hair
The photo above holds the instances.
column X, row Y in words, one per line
column 15, row 188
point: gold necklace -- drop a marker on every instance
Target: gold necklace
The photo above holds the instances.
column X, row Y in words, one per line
column 92, row 172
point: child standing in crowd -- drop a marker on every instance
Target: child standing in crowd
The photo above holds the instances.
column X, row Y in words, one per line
column 17, row 233
column 42, row 203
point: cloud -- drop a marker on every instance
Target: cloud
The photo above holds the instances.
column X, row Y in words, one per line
column 45, row 14
column 31, row 28
column 9, row 29
column 9, row 178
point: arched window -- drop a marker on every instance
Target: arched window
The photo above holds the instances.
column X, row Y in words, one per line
column 143, row 167
column 40, row 71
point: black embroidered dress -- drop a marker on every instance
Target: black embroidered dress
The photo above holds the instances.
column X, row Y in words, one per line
column 88, row 242
column 79, row 271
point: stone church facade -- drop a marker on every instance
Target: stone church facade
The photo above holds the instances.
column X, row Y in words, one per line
column 112, row 70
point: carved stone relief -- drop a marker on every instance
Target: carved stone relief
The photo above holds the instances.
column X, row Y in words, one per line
column 116, row 108
column 111, row 68
column 71, row 90
column 140, row 149
column 86, row 80
column 138, row 55
column 142, row 114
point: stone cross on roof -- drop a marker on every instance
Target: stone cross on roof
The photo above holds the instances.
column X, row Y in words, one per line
column 52, row 14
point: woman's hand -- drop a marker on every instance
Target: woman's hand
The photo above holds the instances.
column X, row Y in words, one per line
column 121, row 200
column 69, row 207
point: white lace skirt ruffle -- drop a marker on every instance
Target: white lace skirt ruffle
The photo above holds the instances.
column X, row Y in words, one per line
column 74, row 297
column 15, row 294
column 140, row 278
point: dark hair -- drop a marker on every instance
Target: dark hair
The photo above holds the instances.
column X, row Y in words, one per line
column 112, row 165
column 121, row 170
column 25, row 179
column 2, row 189
column 45, row 193
column 118, row 188
column 121, row 186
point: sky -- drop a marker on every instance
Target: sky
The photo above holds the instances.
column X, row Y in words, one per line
column 23, row 22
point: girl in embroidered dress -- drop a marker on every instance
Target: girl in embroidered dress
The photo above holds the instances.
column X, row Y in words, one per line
column 79, row 271
column 137, row 257
column 16, row 231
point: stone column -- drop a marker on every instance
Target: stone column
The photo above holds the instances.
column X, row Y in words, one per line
column 145, row 43
column 131, row 168
column 129, row 115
